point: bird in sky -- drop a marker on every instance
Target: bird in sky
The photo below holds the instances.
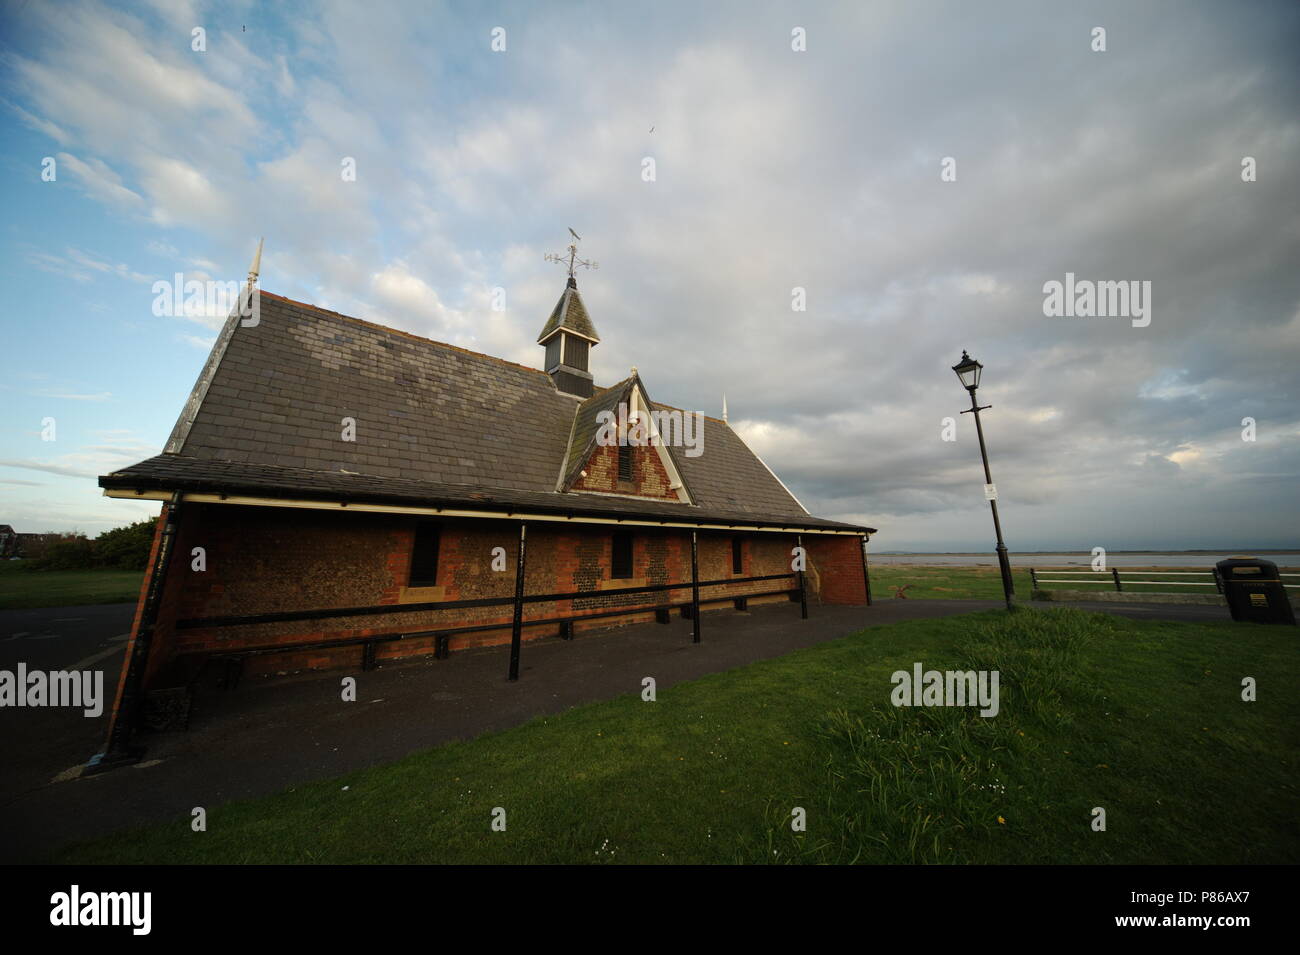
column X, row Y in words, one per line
column 574, row 234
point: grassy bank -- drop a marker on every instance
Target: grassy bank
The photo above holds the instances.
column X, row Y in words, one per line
column 21, row 588
column 1141, row 718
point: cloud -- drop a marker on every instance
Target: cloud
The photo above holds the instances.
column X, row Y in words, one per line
column 71, row 396
column 81, row 266
column 775, row 170
column 99, row 181
column 181, row 194
column 41, row 125
column 50, row 467
column 398, row 291
column 88, row 461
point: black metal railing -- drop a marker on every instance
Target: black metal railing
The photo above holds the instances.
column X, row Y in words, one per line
column 326, row 613
column 368, row 643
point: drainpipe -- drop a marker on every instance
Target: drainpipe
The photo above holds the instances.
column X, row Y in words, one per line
column 803, row 586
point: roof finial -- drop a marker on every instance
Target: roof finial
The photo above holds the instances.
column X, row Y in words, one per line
column 573, row 258
column 256, row 267
column 724, row 406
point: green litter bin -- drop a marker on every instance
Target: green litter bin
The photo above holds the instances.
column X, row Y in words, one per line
column 1254, row 590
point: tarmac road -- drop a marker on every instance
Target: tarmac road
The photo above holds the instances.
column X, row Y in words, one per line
column 38, row 743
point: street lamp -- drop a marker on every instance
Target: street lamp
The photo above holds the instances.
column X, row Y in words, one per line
column 968, row 373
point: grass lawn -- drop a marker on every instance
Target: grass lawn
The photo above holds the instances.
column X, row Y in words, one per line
column 1141, row 718
column 65, row 588
column 944, row 583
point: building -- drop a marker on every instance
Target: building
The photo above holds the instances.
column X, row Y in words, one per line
column 8, row 542
column 37, row 546
column 338, row 493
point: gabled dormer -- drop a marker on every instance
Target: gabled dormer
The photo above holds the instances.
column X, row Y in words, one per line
column 618, row 447
column 567, row 338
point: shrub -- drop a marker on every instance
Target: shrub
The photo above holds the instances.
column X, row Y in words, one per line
column 122, row 548
column 126, row 548
column 70, row 552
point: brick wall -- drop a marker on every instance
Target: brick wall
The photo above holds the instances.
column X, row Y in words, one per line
column 266, row 560
column 649, row 477
column 838, row 562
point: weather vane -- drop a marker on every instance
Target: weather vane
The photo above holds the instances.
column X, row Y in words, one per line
column 573, row 256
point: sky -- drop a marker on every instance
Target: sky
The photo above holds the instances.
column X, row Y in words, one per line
column 920, row 171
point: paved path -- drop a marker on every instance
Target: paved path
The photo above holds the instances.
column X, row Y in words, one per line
column 62, row 638
column 36, row 744
column 266, row 736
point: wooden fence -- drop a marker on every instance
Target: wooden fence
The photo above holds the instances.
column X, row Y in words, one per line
column 1135, row 578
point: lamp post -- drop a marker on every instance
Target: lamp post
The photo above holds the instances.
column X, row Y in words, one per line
column 968, row 373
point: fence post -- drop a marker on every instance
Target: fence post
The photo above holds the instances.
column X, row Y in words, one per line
column 1033, row 578
column 803, row 590
column 516, row 631
column 866, row 574
column 695, row 587
column 1119, row 588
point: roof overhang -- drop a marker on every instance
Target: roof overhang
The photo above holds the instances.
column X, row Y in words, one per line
column 557, row 515
column 565, row 330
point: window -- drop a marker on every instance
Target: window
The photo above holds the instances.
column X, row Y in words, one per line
column 737, row 556
column 625, row 462
column 621, row 561
column 553, row 352
column 424, row 556
column 575, row 352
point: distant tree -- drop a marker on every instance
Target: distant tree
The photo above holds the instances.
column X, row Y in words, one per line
column 126, row 548
column 122, row 548
column 70, row 551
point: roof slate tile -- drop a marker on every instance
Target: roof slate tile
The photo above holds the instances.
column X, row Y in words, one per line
column 470, row 424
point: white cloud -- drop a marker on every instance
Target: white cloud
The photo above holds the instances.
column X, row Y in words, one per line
column 72, row 396
column 400, row 294
column 181, row 194
column 42, row 125
column 775, row 170
column 99, row 181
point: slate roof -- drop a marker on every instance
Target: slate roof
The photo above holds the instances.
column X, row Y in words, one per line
column 569, row 313
column 435, row 425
